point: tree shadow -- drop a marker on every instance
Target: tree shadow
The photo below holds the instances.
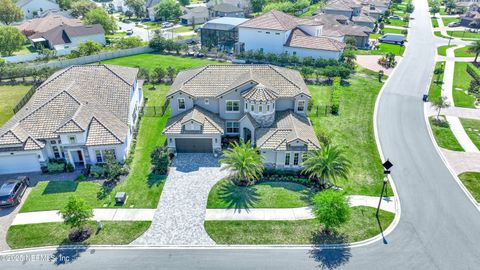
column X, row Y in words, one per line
column 238, row 197
column 155, row 179
column 307, row 193
column 330, row 258
column 65, row 255
column 104, row 191
column 60, row 187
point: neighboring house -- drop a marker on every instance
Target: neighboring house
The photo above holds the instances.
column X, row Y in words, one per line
column 469, row 17
column 48, row 22
column 74, row 115
column 263, row 104
column 221, row 33
column 353, row 9
column 33, row 8
column 244, row 5
column 226, row 10
column 196, row 15
column 65, row 38
column 150, row 7
column 278, row 32
column 119, row 5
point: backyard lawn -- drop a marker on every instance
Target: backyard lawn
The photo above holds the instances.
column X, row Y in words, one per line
column 471, row 180
column 263, row 195
column 153, row 60
column 142, row 187
column 10, row 95
column 444, row 136
column 472, row 127
column 461, row 83
column 463, row 52
column 353, row 129
column 442, row 50
column 56, row 233
column 435, row 89
column 361, row 225
column 464, row 34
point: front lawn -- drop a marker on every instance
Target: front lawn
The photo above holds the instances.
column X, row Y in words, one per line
column 397, row 22
column 439, row 34
column 471, row 180
column 472, row 127
column 56, row 233
column 464, row 34
column 444, row 136
column 384, row 48
column 463, row 52
column 263, row 195
column 442, row 50
column 362, row 225
column 434, row 22
column 447, row 20
column 392, row 30
column 353, row 129
column 153, row 60
column 461, row 83
column 142, row 187
column 435, row 90
column 10, row 95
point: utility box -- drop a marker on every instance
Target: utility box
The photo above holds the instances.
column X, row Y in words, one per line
column 120, row 197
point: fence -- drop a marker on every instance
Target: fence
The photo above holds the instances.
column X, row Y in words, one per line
column 320, row 110
column 25, row 99
column 152, row 111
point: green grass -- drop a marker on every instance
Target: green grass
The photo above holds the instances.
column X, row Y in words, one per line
column 397, row 22
column 183, row 29
column 153, row 60
column 384, row 48
column 444, row 136
column 26, row 49
column 442, row 50
column 464, row 34
column 142, row 187
column 463, row 52
column 311, row 9
column 375, row 36
column 461, row 83
column 447, row 20
column 439, row 34
column 263, row 195
column 435, row 90
column 387, row 30
column 471, row 180
column 434, row 22
column 353, row 129
column 10, row 95
column 151, row 25
column 362, row 225
column 472, row 127
column 56, row 233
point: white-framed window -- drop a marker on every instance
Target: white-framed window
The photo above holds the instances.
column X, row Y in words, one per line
column 233, row 127
column 110, row 152
column 268, row 33
column 246, row 106
column 232, row 106
column 295, row 159
column 278, row 34
column 56, row 152
column 207, row 101
column 72, row 139
column 268, row 107
column 301, row 106
column 260, row 108
column 53, row 142
column 252, row 108
column 287, row 159
column 99, row 156
column 181, row 104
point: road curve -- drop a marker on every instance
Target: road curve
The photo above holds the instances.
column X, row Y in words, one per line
column 439, row 227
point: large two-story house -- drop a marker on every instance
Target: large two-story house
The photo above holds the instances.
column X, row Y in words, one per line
column 80, row 114
column 264, row 104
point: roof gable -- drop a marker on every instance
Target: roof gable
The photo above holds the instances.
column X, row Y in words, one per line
column 98, row 134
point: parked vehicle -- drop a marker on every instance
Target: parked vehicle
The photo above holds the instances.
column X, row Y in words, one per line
column 454, row 24
column 392, row 38
column 12, row 191
column 167, row 24
column 129, row 32
column 200, row 55
column 396, row 17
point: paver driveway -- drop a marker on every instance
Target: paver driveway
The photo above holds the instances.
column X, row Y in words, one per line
column 181, row 211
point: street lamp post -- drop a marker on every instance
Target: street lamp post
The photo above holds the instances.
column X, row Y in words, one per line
column 387, row 165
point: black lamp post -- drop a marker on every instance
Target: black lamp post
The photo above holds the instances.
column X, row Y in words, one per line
column 387, row 165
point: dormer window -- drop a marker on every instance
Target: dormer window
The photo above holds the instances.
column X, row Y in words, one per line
column 301, row 106
column 181, row 104
column 72, row 139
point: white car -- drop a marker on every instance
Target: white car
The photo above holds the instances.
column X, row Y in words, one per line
column 454, row 24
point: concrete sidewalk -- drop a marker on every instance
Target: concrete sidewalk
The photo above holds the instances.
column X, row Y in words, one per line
column 301, row 213
column 99, row 214
column 456, row 111
column 460, row 134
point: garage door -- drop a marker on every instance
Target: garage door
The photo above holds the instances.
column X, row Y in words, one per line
column 194, row 145
column 19, row 164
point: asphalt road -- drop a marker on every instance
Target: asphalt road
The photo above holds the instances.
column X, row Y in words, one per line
column 439, row 227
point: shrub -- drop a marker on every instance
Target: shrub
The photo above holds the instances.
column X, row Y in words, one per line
column 69, row 167
column 97, row 171
column 54, row 167
column 331, row 208
column 160, row 160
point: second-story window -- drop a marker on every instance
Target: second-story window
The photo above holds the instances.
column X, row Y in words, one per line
column 207, row 101
column 72, row 139
column 301, row 106
column 295, row 159
column 233, row 106
column 181, row 104
column 252, row 108
column 287, row 159
column 268, row 107
column 260, row 108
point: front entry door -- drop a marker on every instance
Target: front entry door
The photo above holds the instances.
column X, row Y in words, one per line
column 247, row 135
column 80, row 156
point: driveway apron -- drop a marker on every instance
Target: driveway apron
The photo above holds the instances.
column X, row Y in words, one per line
column 181, row 211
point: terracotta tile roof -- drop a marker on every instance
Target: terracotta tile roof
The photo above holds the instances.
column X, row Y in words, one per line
column 211, row 123
column 70, row 99
column 52, row 20
column 216, row 80
column 288, row 126
column 274, row 20
column 300, row 39
column 260, row 93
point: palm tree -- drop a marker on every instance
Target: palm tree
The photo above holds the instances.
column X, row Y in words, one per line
column 245, row 163
column 475, row 48
column 327, row 164
column 439, row 104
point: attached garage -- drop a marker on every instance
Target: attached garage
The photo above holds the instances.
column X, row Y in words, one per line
column 193, row 145
column 19, row 163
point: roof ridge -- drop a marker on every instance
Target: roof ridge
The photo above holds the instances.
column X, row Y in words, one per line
column 273, row 133
column 56, row 77
column 108, row 68
column 274, row 68
column 13, row 133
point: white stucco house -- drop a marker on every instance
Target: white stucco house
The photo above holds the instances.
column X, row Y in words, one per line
column 80, row 114
column 278, row 32
column 264, row 104
column 31, row 8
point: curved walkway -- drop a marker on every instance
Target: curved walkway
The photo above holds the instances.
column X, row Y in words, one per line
column 180, row 214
